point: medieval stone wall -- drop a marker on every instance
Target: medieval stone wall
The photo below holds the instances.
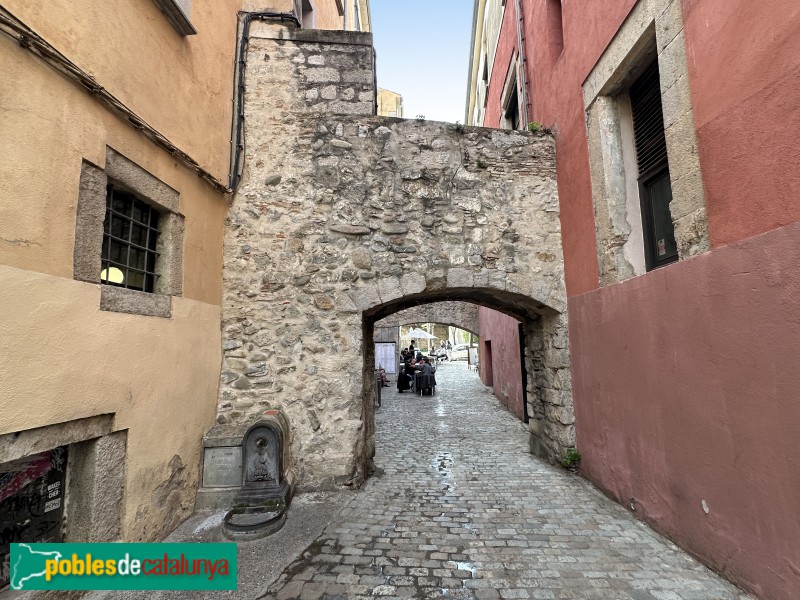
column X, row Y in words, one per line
column 342, row 219
column 458, row 314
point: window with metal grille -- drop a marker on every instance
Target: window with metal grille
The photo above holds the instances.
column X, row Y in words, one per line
column 655, row 189
column 130, row 236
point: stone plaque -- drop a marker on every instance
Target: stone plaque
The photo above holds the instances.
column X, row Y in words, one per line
column 222, row 467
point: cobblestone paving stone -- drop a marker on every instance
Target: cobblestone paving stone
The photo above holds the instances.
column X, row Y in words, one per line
column 459, row 509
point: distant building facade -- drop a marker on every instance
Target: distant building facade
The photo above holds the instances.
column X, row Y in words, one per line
column 390, row 104
column 348, row 15
column 678, row 182
column 487, row 22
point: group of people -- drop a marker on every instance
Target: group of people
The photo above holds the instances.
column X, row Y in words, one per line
column 443, row 352
column 413, row 362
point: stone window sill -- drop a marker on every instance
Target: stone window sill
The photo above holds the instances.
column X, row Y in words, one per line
column 176, row 16
column 91, row 213
column 134, row 302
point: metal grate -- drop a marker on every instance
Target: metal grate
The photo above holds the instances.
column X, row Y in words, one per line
column 648, row 120
column 130, row 235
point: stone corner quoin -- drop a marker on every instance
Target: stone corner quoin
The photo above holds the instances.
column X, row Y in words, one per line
column 343, row 218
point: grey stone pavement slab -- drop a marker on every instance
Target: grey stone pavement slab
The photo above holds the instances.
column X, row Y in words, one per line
column 458, row 509
column 259, row 562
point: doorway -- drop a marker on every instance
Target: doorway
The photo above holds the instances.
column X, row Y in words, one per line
column 485, row 364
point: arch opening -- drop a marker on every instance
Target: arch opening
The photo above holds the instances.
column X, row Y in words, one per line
column 543, row 356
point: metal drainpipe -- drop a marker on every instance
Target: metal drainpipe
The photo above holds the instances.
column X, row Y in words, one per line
column 522, row 60
column 374, row 81
column 346, row 11
column 239, row 87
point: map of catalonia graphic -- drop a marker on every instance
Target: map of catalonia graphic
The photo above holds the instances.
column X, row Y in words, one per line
column 29, row 564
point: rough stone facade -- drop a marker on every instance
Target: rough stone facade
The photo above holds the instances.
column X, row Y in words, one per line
column 344, row 218
column 457, row 314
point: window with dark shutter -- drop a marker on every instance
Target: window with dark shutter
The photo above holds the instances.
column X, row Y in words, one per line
column 655, row 190
column 512, row 110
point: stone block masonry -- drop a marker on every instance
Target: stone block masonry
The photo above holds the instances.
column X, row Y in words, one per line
column 344, row 218
column 458, row 314
column 308, row 71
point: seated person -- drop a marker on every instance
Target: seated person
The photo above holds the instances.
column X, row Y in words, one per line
column 384, row 379
column 405, row 378
column 427, row 380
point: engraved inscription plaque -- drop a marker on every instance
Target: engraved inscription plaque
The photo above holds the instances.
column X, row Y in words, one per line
column 222, row 467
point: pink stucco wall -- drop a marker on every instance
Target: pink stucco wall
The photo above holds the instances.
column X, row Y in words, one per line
column 686, row 386
column 744, row 72
column 686, row 379
column 556, row 100
column 504, row 372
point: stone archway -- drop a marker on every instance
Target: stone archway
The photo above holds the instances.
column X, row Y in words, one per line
column 342, row 219
column 546, row 360
column 463, row 315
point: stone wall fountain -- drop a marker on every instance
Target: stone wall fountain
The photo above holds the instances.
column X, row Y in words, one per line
column 255, row 472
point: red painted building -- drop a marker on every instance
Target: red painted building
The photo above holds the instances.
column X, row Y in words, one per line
column 499, row 365
column 679, row 182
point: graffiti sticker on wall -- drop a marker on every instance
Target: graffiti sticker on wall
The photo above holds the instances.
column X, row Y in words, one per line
column 31, row 502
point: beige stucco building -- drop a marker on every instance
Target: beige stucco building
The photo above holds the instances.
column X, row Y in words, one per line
column 113, row 99
column 116, row 165
column 390, row 104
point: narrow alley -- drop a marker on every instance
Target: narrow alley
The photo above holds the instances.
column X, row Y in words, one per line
column 459, row 508
column 220, row 219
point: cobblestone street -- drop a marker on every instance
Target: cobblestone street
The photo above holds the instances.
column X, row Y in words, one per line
column 459, row 509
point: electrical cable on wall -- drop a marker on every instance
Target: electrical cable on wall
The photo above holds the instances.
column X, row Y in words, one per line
column 27, row 38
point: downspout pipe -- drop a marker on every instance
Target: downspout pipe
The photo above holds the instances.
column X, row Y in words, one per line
column 237, row 133
column 521, row 66
column 374, row 81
